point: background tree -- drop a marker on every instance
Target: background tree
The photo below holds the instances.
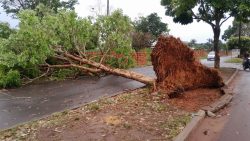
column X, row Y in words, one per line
column 192, row 43
column 233, row 31
column 151, row 24
column 14, row 6
column 213, row 12
column 209, row 44
column 141, row 40
column 232, row 43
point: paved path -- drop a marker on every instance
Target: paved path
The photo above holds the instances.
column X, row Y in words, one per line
column 238, row 125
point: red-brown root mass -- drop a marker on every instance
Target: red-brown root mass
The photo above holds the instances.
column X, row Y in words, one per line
column 177, row 69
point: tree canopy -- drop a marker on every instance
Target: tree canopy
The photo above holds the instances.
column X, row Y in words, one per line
column 213, row 12
column 151, row 24
column 245, row 44
column 14, row 6
column 43, row 40
column 233, row 31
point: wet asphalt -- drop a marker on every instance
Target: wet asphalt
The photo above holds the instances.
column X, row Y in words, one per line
column 39, row 100
column 36, row 101
column 238, row 125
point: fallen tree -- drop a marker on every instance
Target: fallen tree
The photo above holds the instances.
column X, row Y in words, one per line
column 63, row 40
column 174, row 63
column 80, row 62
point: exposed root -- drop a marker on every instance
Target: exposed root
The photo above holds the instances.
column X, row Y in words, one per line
column 177, row 70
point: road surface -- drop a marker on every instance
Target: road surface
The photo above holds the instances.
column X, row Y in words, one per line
column 222, row 63
column 35, row 101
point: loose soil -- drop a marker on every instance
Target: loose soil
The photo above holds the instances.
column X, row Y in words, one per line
column 136, row 115
column 193, row 100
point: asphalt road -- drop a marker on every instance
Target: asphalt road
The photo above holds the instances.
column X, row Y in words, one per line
column 222, row 63
column 36, row 101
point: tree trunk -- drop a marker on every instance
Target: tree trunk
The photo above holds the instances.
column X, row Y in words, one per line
column 98, row 66
column 216, row 30
column 239, row 35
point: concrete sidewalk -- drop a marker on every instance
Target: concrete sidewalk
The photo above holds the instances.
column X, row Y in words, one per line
column 238, row 126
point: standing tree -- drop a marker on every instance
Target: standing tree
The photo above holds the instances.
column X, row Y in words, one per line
column 213, row 12
column 230, row 31
column 192, row 43
column 151, row 24
column 239, row 29
column 14, row 6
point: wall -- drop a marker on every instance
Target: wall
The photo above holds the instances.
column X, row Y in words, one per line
column 140, row 57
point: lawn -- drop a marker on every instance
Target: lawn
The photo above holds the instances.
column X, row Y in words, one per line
column 234, row 60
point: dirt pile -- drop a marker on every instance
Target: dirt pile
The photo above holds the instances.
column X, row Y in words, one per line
column 177, row 70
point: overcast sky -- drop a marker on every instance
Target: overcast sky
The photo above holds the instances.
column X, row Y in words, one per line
column 135, row 8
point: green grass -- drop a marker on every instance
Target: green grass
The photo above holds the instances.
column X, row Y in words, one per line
column 175, row 126
column 203, row 57
column 234, row 60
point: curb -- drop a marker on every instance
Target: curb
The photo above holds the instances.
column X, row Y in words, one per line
column 201, row 114
column 198, row 117
column 219, row 104
column 231, row 78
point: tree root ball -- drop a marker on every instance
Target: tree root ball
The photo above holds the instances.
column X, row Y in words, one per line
column 177, row 69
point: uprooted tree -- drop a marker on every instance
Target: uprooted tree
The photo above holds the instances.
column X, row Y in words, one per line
column 62, row 40
column 177, row 69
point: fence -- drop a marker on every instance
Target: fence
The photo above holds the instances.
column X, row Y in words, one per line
column 140, row 57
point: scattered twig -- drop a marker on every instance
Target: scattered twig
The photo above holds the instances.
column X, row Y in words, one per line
column 32, row 80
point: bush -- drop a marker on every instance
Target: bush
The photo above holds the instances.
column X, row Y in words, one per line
column 122, row 58
column 10, row 79
column 62, row 74
column 115, row 37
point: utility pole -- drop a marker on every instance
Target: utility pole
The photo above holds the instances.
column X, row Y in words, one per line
column 107, row 7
